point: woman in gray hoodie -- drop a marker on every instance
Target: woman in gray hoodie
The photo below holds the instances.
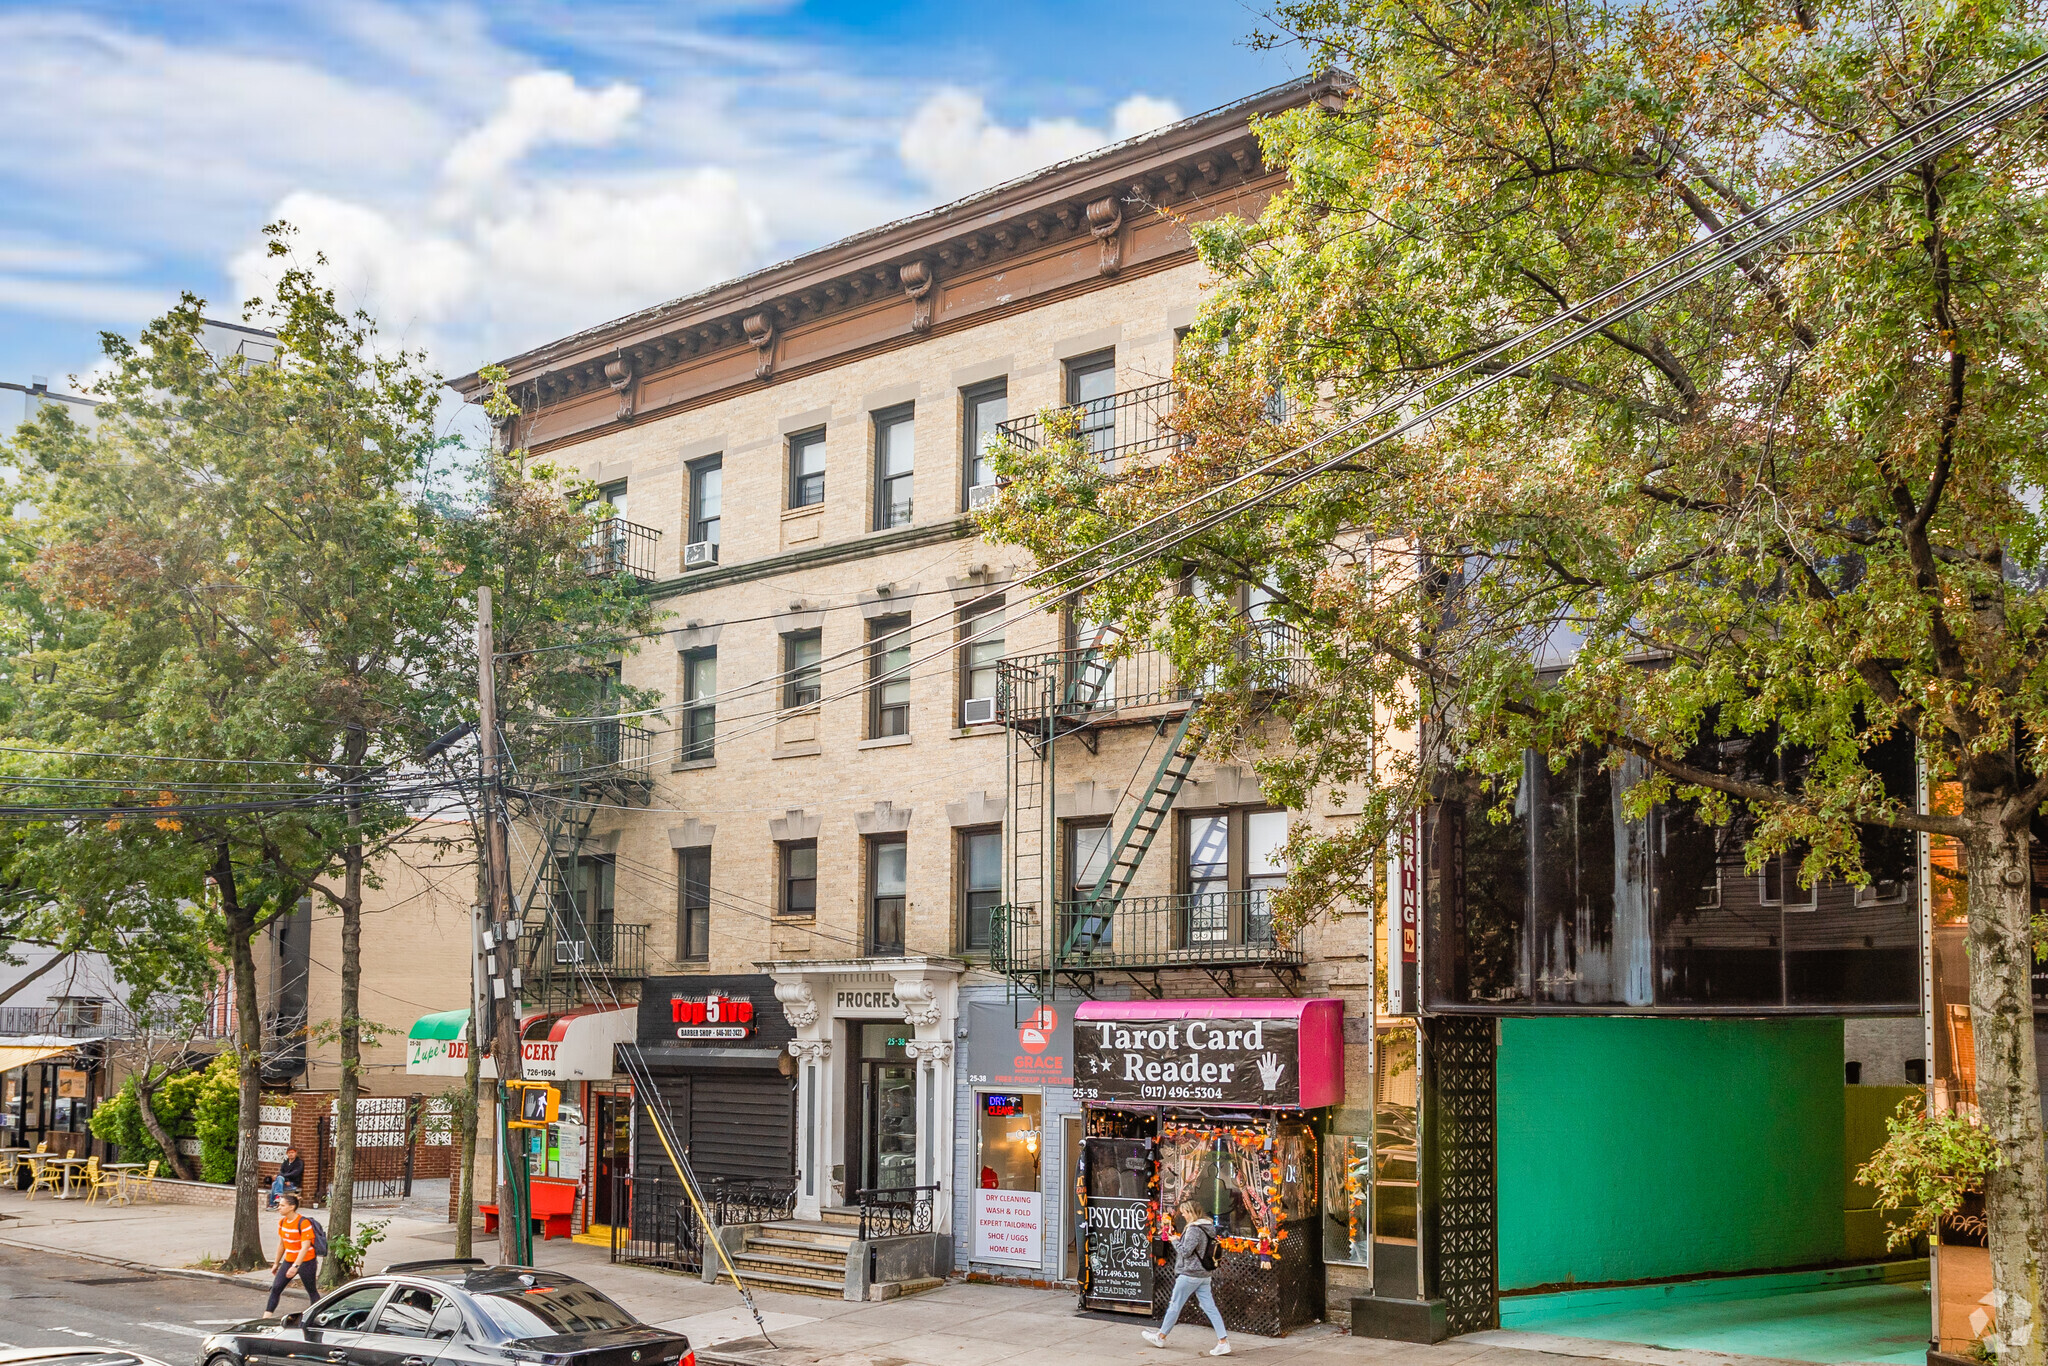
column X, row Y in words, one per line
column 1194, row 1255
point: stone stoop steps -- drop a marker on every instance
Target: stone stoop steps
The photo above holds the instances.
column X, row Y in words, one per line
column 802, row 1257
column 799, row 1256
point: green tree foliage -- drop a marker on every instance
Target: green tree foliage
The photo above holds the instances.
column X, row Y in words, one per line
column 1798, row 506
column 1929, row 1163
column 262, row 575
column 203, row 1104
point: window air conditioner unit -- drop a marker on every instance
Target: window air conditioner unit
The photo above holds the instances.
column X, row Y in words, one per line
column 978, row 711
column 981, row 495
column 700, row 554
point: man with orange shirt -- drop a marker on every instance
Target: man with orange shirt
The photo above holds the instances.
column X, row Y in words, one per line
column 295, row 1255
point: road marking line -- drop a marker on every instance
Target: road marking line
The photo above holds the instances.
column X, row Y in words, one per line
column 77, row 1333
column 180, row 1329
column 223, row 1323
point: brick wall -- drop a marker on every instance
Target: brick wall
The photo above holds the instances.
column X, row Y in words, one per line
column 296, row 1119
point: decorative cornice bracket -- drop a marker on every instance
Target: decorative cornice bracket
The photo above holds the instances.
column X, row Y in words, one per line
column 920, row 282
column 1106, row 221
column 619, row 373
column 761, row 333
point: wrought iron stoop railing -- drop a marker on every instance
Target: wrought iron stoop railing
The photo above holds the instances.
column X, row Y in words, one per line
column 892, row 1211
column 1038, row 937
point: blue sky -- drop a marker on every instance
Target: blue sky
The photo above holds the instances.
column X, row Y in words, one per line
column 487, row 177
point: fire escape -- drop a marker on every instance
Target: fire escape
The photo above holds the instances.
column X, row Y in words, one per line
column 1050, row 932
column 569, row 938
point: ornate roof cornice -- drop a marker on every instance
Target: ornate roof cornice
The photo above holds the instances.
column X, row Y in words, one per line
column 737, row 329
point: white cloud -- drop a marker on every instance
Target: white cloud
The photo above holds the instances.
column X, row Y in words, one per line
column 953, row 145
column 541, row 108
column 534, row 258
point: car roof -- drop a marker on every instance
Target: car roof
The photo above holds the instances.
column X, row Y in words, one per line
column 478, row 1279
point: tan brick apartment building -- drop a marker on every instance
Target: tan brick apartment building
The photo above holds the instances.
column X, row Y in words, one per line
column 828, row 819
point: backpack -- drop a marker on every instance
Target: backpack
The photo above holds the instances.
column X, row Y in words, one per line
column 319, row 1236
column 1207, row 1257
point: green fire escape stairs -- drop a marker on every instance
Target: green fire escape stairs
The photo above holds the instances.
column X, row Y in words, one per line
column 1093, row 919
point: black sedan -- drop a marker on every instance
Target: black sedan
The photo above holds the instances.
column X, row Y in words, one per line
column 453, row 1313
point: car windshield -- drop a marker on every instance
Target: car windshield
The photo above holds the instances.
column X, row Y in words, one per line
column 541, row 1310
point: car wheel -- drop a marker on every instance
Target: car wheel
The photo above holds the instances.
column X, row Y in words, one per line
column 222, row 1359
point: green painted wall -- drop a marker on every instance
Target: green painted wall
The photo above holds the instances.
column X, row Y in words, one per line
column 1633, row 1149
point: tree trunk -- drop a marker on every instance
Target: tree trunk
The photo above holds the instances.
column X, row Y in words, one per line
column 145, row 1102
column 2008, row 1086
column 245, row 1247
column 341, row 1202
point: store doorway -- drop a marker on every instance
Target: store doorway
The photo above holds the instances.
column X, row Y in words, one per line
column 1070, row 1200
column 887, row 1082
column 612, row 1136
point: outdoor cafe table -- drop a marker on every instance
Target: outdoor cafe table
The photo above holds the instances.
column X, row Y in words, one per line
column 69, row 1164
column 123, row 1170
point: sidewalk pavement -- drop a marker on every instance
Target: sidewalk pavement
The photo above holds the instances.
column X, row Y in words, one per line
column 958, row 1324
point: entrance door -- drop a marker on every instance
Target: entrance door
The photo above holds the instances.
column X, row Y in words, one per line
column 612, row 1138
column 888, row 1109
column 1119, row 1260
column 1070, row 1198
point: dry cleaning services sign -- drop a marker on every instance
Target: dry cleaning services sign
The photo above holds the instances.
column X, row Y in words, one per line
column 1220, row 1061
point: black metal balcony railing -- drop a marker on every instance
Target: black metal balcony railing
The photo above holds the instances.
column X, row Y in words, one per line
column 1034, row 688
column 617, row 546
column 1191, row 929
column 64, row 1021
column 594, row 745
column 569, row 965
column 1130, row 423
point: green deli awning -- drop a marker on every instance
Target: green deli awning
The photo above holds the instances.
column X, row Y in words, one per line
column 435, row 1046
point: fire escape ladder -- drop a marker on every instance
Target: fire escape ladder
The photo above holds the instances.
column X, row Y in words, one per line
column 1091, row 673
column 1092, row 921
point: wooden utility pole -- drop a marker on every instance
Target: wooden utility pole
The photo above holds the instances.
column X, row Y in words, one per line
column 502, row 990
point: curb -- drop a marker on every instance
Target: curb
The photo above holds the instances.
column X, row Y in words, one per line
column 189, row 1273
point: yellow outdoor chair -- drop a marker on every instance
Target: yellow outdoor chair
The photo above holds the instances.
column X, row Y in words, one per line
column 10, row 1166
column 98, row 1181
column 48, row 1175
column 140, row 1182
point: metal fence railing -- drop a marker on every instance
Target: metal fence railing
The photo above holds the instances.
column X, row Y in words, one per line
column 1064, row 683
column 1188, row 929
column 662, row 1228
column 1130, row 423
column 617, row 546
column 892, row 1211
column 594, row 745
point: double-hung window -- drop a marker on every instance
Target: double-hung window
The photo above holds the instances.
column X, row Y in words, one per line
column 706, row 490
column 981, row 885
column 799, row 895
column 895, row 462
column 1091, row 387
column 693, row 905
column 887, row 883
column 807, row 469
column 889, row 676
column 981, row 654
column 700, row 706
column 983, row 408
column 802, row 668
column 1233, row 867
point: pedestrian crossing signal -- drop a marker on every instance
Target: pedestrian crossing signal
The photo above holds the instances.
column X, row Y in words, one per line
column 535, row 1103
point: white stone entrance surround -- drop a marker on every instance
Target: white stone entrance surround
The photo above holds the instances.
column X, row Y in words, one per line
column 816, row 995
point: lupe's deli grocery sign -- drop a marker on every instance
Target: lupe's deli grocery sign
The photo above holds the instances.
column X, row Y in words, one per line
column 1263, row 1054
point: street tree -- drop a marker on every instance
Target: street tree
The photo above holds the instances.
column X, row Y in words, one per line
column 1796, row 507
column 280, row 589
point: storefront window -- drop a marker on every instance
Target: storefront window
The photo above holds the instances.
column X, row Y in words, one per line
column 1395, row 1187
column 1223, row 1170
column 1347, row 1195
column 1009, row 1141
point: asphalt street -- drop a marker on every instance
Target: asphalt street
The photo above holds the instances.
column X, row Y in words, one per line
column 49, row 1300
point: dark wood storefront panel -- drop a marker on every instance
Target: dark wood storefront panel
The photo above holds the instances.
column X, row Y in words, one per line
column 742, row 1124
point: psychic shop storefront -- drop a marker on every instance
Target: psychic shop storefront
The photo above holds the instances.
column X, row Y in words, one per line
column 1216, row 1104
